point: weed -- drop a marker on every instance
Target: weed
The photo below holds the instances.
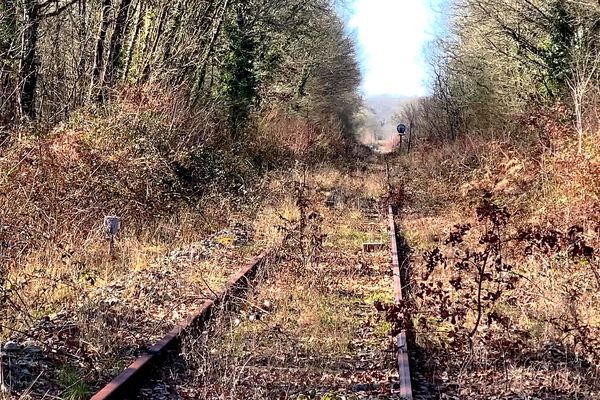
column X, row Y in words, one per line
column 72, row 383
column 498, row 288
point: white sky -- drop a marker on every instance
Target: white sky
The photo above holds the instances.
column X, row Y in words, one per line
column 391, row 35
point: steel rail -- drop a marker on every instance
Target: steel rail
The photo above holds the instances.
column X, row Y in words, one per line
column 402, row 359
column 128, row 381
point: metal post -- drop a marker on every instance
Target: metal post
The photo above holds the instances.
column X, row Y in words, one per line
column 388, row 176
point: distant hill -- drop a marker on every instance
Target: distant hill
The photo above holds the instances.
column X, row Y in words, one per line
column 378, row 117
column 386, row 106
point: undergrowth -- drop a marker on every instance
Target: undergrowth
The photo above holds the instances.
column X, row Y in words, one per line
column 308, row 329
column 174, row 178
column 504, row 274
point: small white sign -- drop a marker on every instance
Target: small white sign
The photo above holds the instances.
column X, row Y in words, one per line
column 112, row 225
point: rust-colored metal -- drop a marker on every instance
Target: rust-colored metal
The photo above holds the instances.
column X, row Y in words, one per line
column 401, row 343
column 127, row 381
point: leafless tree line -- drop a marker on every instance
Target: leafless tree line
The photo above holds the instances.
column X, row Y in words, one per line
column 499, row 57
column 59, row 55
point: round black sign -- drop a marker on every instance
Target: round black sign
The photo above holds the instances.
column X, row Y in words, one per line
column 401, row 129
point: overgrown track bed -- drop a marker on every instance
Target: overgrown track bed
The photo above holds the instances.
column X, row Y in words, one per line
column 309, row 327
column 308, row 320
column 301, row 323
column 126, row 383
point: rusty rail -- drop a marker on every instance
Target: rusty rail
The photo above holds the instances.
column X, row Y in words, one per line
column 128, row 381
column 401, row 343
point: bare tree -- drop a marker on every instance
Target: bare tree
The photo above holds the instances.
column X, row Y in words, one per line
column 114, row 62
column 98, row 69
column 584, row 72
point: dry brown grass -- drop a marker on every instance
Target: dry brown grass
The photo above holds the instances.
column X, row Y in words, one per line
column 167, row 172
column 551, row 348
column 308, row 327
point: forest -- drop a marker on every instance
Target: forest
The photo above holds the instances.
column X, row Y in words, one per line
column 233, row 57
column 497, row 59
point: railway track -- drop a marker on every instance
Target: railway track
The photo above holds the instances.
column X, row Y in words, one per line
column 127, row 383
column 402, row 357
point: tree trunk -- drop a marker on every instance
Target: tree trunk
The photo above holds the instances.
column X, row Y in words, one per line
column 134, row 40
column 199, row 82
column 159, row 31
column 114, row 64
column 174, row 26
column 29, row 63
column 99, row 54
column 78, row 96
column 8, row 40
